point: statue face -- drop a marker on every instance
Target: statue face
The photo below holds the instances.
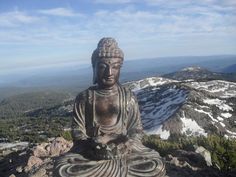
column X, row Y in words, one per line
column 108, row 72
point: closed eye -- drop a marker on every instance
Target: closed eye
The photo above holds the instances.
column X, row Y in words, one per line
column 102, row 66
column 116, row 66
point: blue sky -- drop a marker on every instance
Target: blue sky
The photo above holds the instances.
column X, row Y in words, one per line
column 43, row 32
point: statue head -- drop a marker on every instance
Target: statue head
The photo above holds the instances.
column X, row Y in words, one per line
column 107, row 60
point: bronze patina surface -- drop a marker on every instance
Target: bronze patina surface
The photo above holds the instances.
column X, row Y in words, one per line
column 107, row 128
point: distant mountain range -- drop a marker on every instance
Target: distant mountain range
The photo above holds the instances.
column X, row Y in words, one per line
column 198, row 73
column 80, row 76
column 191, row 101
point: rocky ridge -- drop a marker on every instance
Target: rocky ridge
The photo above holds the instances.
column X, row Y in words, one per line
column 186, row 107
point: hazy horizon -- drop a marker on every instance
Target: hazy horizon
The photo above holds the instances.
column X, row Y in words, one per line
column 65, row 74
column 87, row 63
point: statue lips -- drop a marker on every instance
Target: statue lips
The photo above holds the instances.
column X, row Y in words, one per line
column 109, row 79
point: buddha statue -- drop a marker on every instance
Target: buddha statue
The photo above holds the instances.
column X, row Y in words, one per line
column 107, row 128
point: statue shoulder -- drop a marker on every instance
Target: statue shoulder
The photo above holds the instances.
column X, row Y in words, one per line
column 81, row 96
column 84, row 95
column 128, row 93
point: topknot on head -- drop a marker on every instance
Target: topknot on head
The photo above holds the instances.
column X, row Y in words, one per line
column 107, row 42
column 107, row 48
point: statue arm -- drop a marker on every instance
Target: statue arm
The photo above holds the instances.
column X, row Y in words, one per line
column 78, row 122
column 134, row 124
column 82, row 141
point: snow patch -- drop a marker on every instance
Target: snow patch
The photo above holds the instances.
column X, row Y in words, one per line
column 222, row 124
column 152, row 81
column 197, row 68
column 226, row 115
column 220, row 118
column 219, row 103
column 225, row 107
column 208, row 113
column 201, row 106
column 212, row 101
column 164, row 134
column 230, row 132
column 190, row 127
column 13, row 145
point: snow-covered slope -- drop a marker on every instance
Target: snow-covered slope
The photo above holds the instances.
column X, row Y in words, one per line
column 220, row 88
column 189, row 107
column 148, row 82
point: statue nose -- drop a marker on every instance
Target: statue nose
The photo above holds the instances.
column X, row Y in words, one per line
column 109, row 71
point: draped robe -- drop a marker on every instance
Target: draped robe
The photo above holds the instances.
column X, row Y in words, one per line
column 140, row 161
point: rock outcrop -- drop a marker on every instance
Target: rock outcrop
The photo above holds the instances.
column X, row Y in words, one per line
column 36, row 161
column 188, row 163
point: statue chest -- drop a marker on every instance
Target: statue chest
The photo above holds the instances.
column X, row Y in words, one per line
column 107, row 109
